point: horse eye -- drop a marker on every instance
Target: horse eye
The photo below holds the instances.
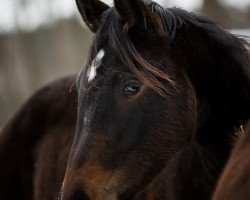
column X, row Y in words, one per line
column 132, row 87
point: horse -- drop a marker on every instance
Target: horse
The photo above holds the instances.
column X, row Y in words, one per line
column 158, row 101
column 35, row 143
column 234, row 182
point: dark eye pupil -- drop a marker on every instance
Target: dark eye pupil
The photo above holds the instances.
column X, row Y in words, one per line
column 132, row 87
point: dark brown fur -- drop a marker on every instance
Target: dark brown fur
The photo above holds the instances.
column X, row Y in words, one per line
column 35, row 143
column 234, row 182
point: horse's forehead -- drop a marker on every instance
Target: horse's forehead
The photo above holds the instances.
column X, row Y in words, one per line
column 105, row 60
column 96, row 62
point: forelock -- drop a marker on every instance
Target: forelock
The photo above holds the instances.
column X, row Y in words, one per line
column 112, row 33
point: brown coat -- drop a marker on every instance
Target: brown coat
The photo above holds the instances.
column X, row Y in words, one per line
column 234, row 183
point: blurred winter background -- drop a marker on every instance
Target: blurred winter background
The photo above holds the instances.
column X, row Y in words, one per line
column 42, row 40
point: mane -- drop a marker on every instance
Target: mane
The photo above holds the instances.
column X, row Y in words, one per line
column 113, row 32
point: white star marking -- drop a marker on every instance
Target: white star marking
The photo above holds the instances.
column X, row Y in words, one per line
column 95, row 64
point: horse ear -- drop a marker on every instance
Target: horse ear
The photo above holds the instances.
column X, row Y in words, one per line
column 137, row 13
column 91, row 11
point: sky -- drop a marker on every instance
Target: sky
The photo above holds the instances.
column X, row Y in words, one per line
column 41, row 12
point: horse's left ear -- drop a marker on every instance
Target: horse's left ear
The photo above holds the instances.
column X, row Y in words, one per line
column 91, row 11
column 138, row 13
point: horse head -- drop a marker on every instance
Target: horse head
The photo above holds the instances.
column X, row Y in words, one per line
column 156, row 82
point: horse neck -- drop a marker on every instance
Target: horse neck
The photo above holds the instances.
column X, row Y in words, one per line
column 186, row 176
column 218, row 70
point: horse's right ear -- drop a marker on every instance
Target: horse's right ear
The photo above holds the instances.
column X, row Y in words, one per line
column 138, row 13
column 91, row 11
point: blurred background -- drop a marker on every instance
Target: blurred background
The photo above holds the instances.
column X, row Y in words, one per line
column 42, row 40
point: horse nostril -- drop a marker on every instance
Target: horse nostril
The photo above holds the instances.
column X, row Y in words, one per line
column 78, row 195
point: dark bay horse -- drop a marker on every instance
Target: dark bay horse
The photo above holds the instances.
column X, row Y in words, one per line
column 35, row 143
column 151, row 117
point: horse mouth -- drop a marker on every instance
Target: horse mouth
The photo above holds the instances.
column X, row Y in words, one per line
column 93, row 182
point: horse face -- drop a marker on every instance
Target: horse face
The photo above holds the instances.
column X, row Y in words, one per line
column 126, row 130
